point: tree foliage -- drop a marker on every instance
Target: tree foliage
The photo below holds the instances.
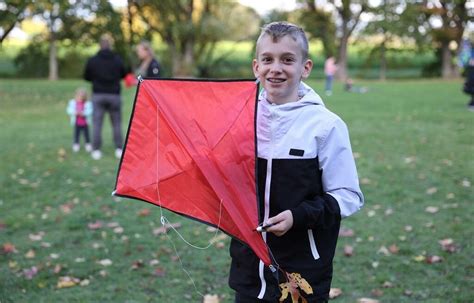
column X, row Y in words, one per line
column 192, row 28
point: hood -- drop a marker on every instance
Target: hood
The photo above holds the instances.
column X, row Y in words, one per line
column 307, row 94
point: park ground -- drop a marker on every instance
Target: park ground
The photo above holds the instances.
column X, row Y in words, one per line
column 64, row 238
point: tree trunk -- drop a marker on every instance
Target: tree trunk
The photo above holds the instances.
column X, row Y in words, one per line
column 53, row 59
column 446, row 69
column 341, row 73
column 383, row 62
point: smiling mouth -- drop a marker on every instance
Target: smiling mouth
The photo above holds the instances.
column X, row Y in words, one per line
column 276, row 80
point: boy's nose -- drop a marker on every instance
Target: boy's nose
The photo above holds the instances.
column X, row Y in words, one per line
column 276, row 67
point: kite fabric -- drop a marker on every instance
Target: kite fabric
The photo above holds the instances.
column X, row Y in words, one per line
column 191, row 148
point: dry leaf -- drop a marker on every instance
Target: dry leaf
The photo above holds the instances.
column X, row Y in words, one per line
column 211, row 299
column 105, row 262
column 419, row 258
column 433, row 259
column 159, row 272
column 30, row 272
column 367, row 300
column 393, row 249
column 95, row 225
column 346, row 232
column 30, row 254
column 432, row 209
column 65, row 282
column 448, row 245
column 37, row 237
column 387, row 284
column 8, row 248
column 348, row 250
column 295, row 281
column 334, row 293
column 137, row 264
column 431, row 190
column 144, row 212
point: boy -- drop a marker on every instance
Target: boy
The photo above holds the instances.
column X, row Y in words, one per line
column 307, row 179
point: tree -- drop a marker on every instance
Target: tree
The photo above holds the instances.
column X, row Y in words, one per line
column 386, row 23
column 438, row 24
column 348, row 12
column 12, row 12
column 319, row 23
column 75, row 22
column 191, row 28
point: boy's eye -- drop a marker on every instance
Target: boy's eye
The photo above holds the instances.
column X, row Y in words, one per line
column 266, row 59
column 289, row 60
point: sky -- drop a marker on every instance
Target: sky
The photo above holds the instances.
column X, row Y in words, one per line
column 261, row 6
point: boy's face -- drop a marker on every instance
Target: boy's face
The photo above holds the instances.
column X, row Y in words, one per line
column 280, row 67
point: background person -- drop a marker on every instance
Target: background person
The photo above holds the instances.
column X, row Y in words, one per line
column 149, row 66
column 105, row 70
column 330, row 69
column 80, row 111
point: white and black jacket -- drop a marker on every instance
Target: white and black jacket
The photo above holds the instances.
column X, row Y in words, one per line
column 305, row 164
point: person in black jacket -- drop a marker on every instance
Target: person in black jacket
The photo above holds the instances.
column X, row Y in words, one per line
column 105, row 70
column 469, row 83
column 149, row 66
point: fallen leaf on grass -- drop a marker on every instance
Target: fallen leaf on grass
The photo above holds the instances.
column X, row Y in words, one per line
column 334, row 293
column 419, row 258
column 346, row 232
column 105, row 262
column 159, row 272
column 65, row 282
column 393, row 249
column 466, row 183
column 8, row 248
column 367, row 300
column 448, row 245
column 432, row 209
column 431, row 190
column 348, row 250
column 433, row 259
column 95, row 225
column 144, row 212
column 30, row 254
column 211, row 299
column 30, row 273
column 37, row 237
column 164, row 228
column 137, row 264
column 387, row 284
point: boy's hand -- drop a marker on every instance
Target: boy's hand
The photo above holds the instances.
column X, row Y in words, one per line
column 282, row 223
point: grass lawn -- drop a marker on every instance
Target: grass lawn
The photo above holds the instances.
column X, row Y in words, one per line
column 414, row 147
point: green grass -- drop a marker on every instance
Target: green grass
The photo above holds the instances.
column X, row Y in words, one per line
column 410, row 137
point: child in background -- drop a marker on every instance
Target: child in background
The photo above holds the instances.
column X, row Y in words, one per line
column 307, row 178
column 80, row 111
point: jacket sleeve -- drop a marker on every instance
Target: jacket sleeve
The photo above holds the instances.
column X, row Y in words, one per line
column 71, row 108
column 342, row 195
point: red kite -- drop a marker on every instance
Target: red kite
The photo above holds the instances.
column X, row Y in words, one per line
column 191, row 148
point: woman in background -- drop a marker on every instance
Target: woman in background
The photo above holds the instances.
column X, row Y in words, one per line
column 149, row 66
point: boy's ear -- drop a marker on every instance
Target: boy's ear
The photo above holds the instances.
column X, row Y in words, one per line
column 307, row 67
column 255, row 68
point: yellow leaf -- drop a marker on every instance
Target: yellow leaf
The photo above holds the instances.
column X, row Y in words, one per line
column 302, row 283
column 211, row 299
column 285, row 288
